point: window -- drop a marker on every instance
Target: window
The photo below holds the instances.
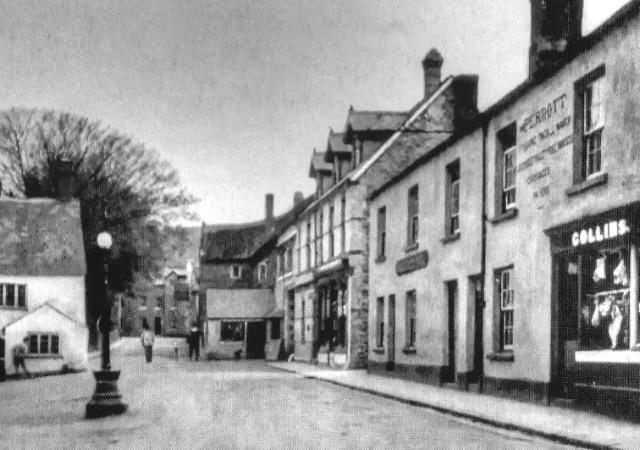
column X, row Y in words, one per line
column 331, row 235
column 288, row 258
column 452, row 204
column 506, row 169
column 232, row 331
column 319, row 238
column 13, row 295
column 308, row 246
column 275, row 329
column 302, row 322
column 504, row 289
column 382, row 231
column 357, row 153
column 410, row 325
column 380, row 322
column 44, row 344
column 236, row 272
column 590, row 96
column 159, row 301
column 343, row 210
column 262, row 271
column 412, row 225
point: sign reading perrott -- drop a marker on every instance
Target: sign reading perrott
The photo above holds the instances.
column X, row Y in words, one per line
column 413, row 262
column 599, row 233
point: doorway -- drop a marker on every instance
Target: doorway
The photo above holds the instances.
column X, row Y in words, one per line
column 391, row 334
column 478, row 348
column 449, row 375
column 256, row 339
column 157, row 326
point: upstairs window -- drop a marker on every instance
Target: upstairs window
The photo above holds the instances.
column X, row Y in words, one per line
column 262, row 271
column 308, row 245
column 13, row 295
column 288, row 259
column 382, row 231
column 331, row 235
column 506, row 168
column 590, row 93
column 357, row 153
column 343, row 222
column 235, row 272
column 452, row 204
column 412, row 222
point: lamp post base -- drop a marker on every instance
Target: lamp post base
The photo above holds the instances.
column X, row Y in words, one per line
column 106, row 400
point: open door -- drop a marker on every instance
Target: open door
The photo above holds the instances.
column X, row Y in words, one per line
column 449, row 374
column 478, row 348
column 157, row 326
column 256, row 339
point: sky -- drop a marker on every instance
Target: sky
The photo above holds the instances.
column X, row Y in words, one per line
column 238, row 93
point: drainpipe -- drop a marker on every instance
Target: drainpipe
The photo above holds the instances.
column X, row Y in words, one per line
column 483, row 242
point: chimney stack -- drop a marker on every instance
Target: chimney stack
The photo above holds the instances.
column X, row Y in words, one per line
column 432, row 65
column 297, row 198
column 66, row 181
column 268, row 217
column 465, row 100
column 556, row 25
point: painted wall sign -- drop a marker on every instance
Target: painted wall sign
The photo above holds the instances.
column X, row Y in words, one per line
column 543, row 114
column 413, row 262
column 599, row 233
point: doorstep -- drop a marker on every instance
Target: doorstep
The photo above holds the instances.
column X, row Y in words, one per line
column 568, row 426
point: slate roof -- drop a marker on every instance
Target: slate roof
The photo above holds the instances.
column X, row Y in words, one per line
column 318, row 164
column 242, row 241
column 240, row 303
column 41, row 237
column 335, row 144
column 359, row 121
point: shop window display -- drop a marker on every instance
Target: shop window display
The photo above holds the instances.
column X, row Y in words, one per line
column 605, row 300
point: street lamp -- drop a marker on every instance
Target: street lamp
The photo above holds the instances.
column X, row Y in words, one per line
column 106, row 399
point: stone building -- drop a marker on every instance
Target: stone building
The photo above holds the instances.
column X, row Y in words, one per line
column 237, row 279
column 552, row 227
column 331, row 282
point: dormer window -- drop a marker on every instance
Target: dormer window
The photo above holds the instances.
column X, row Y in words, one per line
column 357, row 153
column 235, row 272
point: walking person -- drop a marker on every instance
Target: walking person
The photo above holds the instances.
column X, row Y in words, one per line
column 194, row 341
column 147, row 339
column 19, row 353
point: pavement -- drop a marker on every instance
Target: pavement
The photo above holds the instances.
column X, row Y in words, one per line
column 564, row 425
column 177, row 403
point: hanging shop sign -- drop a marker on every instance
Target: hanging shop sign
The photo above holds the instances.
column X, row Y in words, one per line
column 600, row 233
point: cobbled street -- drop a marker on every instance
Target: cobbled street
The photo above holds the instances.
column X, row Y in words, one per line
column 226, row 404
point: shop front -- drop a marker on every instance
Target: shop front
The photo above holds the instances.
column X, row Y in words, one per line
column 596, row 356
column 331, row 295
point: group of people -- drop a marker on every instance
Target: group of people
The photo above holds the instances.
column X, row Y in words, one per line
column 147, row 339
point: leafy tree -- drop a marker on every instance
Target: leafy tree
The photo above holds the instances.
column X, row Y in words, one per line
column 120, row 183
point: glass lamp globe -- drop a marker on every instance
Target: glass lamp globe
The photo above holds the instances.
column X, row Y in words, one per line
column 104, row 240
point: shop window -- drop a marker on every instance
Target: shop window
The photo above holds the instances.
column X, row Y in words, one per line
column 382, row 231
column 275, row 329
column 506, row 169
column 589, row 125
column 232, row 331
column 44, row 344
column 235, row 272
column 13, row 295
column 605, row 302
column 452, row 201
column 505, row 308
column 380, row 322
column 412, row 216
column 410, row 324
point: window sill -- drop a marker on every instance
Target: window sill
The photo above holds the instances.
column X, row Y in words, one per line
column 587, row 184
column 378, row 350
column 508, row 214
column 381, row 259
column 409, row 350
column 505, row 356
column 43, row 356
column 450, row 238
column 13, row 308
column 411, row 247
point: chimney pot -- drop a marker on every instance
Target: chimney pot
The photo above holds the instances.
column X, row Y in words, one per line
column 432, row 65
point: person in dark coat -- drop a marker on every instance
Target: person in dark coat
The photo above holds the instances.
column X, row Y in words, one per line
column 194, row 342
